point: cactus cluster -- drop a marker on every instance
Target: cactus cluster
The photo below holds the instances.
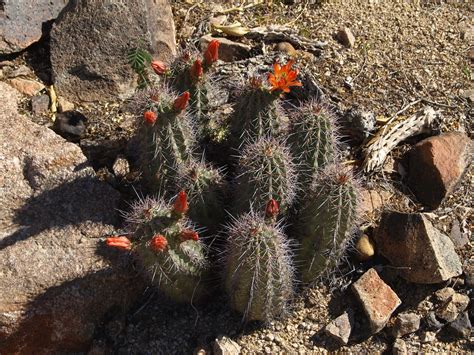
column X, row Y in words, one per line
column 287, row 171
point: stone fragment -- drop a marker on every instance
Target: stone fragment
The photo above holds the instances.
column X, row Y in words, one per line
column 22, row 70
column 345, row 37
column 371, row 201
column 436, row 165
column 365, row 248
column 56, row 284
column 467, row 94
column 432, row 322
column 468, row 270
column 461, row 326
column 377, row 298
column 405, row 323
column 70, row 124
column 90, row 41
column 459, row 239
column 225, row 346
column 450, row 310
column 287, row 48
column 121, row 166
column 428, row 337
column 422, row 253
column 64, row 105
column 229, row 51
column 40, row 104
column 399, row 347
column 444, row 295
column 341, row 327
column 26, row 86
column 22, row 22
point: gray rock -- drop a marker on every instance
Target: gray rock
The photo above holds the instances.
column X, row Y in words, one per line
column 345, row 37
column 91, row 39
column 432, row 322
column 341, row 327
column 450, row 310
column 22, row 70
column 22, row 21
column 461, row 326
column 229, row 51
column 121, row 166
column 225, row 346
column 468, row 270
column 459, row 239
column 444, row 295
column 56, row 284
column 406, row 323
column 70, row 124
column 399, row 347
column 410, row 242
column 40, row 104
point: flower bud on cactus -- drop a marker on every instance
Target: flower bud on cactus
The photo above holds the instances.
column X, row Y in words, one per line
column 119, row 242
column 272, row 209
column 326, row 219
column 258, row 269
column 158, row 243
column 189, row 234
column 181, row 206
column 181, row 102
column 196, row 70
column 158, row 67
column 211, row 55
column 150, row 117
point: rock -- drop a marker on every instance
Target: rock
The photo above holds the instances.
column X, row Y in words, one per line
column 225, row 346
column 345, row 37
column 428, row 337
column 444, row 295
column 229, row 51
column 341, row 327
column 371, row 201
column 432, row 322
column 358, row 124
column 287, row 48
column 26, row 86
column 377, row 298
column 410, row 242
column 467, row 94
column 365, row 248
column 70, row 124
column 22, row 22
column 121, row 166
column 468, row 34
column 22, row 70
column 468, row 270
column 90, row 41
column 56, row 284
column 450, row 310
column 40, row 104
column 406, row 323
column 65, row 105
column 436, row 165
column 471, row 55
column 459, row 239
column 399, row 347
column 461, row 326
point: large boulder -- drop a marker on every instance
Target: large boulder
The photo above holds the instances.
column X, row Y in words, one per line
column 56, row 282
column 22, row 21
column 91, row 39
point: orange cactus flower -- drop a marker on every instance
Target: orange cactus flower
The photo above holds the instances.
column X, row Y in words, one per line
column 150, row 117
column 181, row 102
column 283, row 78
column 272, row 208
column 158, row 67
column 189, row 234
column 181, row 203
column 119, row 242
column 158, row 243
column 211, row 54
column 196, row 70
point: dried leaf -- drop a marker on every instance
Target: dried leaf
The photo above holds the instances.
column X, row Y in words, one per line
column 236, row 29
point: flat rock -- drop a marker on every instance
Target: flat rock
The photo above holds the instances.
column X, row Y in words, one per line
column 406, row 323
column 229, row 51
column 345, row 37
column 377, row 298
column 22, row 22
column 436, row 165
column 90, row 41
column 399, row 347
column 422, row 253
column 451, row 309
column 40, row 104
column 27, row 87
column 56, row 283
column 461, row 326
column 225, row 346
column 340, row 328
column 371, row 201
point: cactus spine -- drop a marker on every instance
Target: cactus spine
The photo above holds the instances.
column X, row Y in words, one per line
column 265, row 171
column 258, row 270
column 327, row 216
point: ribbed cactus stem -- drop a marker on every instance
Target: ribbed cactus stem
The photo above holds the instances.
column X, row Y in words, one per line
column 258, row 270
column 265, row 171
column 326, row 219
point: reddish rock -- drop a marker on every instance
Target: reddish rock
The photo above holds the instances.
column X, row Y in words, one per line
column 436, row 165
column 90, row 41
column 26, row 86
column 371, row 201
column 56, row 282
column 422, row 253
column 22, row 22
column 228, row 50
column 340, row 328
column 377, row 298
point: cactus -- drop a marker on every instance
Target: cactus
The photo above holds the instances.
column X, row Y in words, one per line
column 265, row 171
column 258, row 270
column 168, row 248
column 167, row 141
column 313, row 140
column 326, row 219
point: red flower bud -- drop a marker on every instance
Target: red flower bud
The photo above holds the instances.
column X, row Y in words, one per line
column 119, row 242
column 159, row 67
column 196, row 70
column 150, row 117
column 181, row 203
column 272, row 208
column 188, row 234
column 211, row 54
column 158, row 243
column 181, row 102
